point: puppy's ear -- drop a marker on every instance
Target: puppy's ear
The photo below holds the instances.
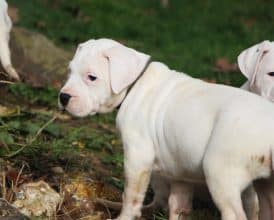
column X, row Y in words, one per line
column 125, row 65
column 250, row 59
column 81, row 45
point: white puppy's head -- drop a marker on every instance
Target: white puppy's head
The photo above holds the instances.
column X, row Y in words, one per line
column 257, row 64
column 100, row 73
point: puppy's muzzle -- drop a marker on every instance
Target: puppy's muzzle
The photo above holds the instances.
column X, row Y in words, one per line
column 64, row 98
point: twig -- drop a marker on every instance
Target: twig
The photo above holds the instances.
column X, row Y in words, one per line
column 6, row 82
column 67, row 213
column 4, row 74
column 16, row 152
column 42, row 128
column 85, row 217
column 19, row 174
column 33, row 139
column 10, row 192
column 4, row 191
column 109, row 204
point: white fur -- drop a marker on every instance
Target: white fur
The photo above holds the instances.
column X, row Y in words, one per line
column 5, row 27
column 179, row 129
column 256, row 63
column 125, row 65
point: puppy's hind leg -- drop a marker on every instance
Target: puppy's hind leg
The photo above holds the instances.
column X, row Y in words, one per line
column 225, row 184
column 5, row 59
column 180, row 200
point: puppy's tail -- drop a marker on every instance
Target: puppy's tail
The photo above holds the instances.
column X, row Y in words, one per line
column 117, row 206
column 109, row 204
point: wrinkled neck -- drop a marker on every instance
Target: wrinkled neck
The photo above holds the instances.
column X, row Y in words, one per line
column 113, row 102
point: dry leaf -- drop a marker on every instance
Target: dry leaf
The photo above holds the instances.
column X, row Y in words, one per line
column 249, row 23
column 37, row 199
column 13, row 13
column 223, row 65
column 41, row 24
column 57, row 170
column 9, row 111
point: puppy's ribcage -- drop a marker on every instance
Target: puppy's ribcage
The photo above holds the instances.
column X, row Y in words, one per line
column 194, row 125
column 181, row 137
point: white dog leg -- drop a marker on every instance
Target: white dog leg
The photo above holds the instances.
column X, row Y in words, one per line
column 138, row 169
column 228, row 200
column 180, row 200
column 5, row 59
column 134, row 194
column 225, row 184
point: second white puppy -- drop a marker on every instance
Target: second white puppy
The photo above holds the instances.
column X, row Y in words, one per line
column 256, row 63
column 185, row 130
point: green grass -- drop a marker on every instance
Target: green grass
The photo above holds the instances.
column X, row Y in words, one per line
column 188, row 36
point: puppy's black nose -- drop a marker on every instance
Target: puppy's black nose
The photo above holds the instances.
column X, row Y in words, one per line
column 64, row 98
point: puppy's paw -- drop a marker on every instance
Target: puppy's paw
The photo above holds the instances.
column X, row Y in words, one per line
column 12, row 73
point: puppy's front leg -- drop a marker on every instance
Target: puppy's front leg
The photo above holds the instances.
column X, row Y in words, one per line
column 138, row 167
column 134, row 194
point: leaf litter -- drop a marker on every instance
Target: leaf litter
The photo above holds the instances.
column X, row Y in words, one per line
column 31, row 168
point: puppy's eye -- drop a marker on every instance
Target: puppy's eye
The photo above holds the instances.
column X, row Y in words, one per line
column 271, row 74
column 92, row 78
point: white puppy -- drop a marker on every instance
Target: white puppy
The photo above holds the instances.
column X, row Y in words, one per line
column 5, row 27
column 180, row 129
column 256, row 63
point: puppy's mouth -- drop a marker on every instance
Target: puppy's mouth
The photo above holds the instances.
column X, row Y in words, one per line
column 61, row 107
column 77, row 114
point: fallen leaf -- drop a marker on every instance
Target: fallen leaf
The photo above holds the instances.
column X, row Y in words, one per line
column 249, row 23
column 15, row 177
column 37, row 199
column 13, row 13
column 78, row 144
column 224, row 65
column 165, row 3
column 9, row 111
column 41, row 24
column 57, row 170
column 62, row 116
